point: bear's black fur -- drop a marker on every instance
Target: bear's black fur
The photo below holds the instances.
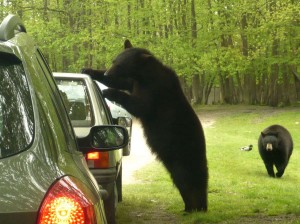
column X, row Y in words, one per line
column 275, row 146
column 172, row 128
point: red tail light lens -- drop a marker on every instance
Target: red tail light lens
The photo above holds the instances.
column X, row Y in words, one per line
column 67, row 202
column 93, row 155
column 97, row 159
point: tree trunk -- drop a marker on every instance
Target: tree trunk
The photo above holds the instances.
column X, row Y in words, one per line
column 226, row 79
column 273, row 89
column 196, row 89
column 249, row 85
column 227, row 89
column 208, row 87
column 297, row 82
column 185, row 88
column 285, row 93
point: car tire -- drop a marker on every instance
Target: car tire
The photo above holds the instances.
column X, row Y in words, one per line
column 110, row 204
column 119, row 185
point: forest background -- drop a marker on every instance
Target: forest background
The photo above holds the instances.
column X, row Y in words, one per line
column 223, row 51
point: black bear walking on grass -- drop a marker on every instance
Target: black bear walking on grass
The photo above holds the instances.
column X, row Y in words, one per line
column 172, row 128
column 275, row 146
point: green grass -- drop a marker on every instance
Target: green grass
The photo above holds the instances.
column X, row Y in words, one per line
column 239, row 187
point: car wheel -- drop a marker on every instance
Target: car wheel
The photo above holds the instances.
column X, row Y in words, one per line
column 110, row 204
column 119, row 185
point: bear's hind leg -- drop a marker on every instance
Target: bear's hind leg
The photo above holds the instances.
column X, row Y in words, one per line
column 193, row 193
column 195, row 200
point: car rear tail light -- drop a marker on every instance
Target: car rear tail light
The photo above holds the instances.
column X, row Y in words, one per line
column 97, row 159
column 68, row 201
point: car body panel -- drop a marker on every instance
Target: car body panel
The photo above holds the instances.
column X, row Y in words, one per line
column 22, row 192
column 99, row 115
column 28, row 174
column 117, row 112
column 96, row 113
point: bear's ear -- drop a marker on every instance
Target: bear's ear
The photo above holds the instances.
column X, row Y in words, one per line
column 263, row 134
column 127, row 44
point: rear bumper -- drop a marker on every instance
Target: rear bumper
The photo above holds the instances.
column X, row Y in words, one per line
column 105, row 176
column 106, row 179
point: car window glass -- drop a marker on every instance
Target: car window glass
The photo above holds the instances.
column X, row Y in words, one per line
column 64, row 128
column 1, row 115
column 77, row 101
column 105, row 112
column 16, row 111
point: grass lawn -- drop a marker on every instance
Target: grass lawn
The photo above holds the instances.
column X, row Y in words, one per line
column 240, row 191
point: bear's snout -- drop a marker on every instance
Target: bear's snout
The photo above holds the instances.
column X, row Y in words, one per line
column 269, row 147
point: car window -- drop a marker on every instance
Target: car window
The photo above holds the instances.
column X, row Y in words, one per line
column 1, row 115
column 64, row 129
column 105, row 112
column 76, row 98
column 16, row 111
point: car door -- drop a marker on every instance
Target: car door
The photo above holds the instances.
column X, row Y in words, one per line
column 67, row 130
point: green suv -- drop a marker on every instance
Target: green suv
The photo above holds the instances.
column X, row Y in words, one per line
column 44, row 177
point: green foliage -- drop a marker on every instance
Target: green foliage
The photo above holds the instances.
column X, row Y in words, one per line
column 75, row 34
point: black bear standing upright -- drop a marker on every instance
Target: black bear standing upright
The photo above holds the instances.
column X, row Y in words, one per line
column 275, row 146
column 173, row 130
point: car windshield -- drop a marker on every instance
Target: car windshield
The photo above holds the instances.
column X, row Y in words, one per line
column 76, row 100
column 16, row 112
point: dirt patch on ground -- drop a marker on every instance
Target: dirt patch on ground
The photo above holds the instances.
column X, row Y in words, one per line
column 140, row 154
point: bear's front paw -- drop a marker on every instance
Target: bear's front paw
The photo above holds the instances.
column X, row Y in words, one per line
column 110, row 94
column 94, row 74
column 87, row 71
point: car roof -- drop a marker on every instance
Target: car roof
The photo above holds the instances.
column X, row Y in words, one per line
column 70, row 74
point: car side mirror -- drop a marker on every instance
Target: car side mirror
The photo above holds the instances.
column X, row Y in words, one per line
column 124, row 121
column 104, row 138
